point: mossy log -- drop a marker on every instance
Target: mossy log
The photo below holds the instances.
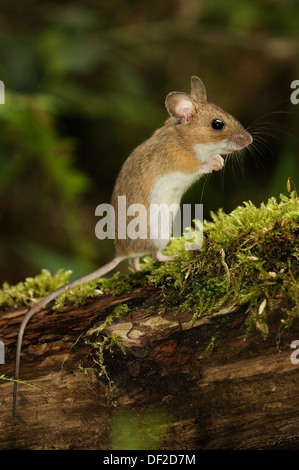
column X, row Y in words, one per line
column 203, row 384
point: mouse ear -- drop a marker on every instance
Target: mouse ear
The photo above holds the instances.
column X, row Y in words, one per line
column 180, row 105
column 198, row 91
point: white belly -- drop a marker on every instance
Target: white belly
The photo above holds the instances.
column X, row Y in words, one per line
column 168, row 190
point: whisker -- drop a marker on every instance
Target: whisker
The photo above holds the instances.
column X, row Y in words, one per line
column 266, row 133
column 206, row 180
column 261, row 118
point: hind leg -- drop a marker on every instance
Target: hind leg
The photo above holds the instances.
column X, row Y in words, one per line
column 158, row 256
column 134, row 262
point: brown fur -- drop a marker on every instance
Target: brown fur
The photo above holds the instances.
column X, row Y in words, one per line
column 171, row 149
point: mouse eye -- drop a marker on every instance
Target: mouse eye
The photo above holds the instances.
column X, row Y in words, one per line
column 217, row 124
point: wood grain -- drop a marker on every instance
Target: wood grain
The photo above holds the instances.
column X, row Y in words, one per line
column 243, row 396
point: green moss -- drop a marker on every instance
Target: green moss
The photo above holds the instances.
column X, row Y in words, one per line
column 250, row 256
column 120, row 283
column 111, row 343
column 33, row 288
column 210, row 348
column 78, row 295
column 10, row 379
column 100, row 345
column 118, row 312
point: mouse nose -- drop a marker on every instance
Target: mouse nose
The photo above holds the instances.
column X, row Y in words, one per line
column 242, row 139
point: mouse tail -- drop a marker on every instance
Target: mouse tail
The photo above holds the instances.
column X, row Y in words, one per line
column 42, row 303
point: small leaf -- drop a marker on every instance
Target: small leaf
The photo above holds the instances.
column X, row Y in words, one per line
column 262, row 306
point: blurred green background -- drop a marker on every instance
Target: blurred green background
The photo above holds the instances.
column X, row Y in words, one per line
column 85, row 84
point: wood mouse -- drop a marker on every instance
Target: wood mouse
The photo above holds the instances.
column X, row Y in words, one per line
column 160, row 170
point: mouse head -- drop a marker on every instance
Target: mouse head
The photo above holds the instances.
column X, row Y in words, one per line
column 204, row 123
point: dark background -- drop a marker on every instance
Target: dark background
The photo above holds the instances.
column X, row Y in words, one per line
column 85, row 84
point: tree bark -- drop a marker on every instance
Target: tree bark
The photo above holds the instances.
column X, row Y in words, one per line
column 244, row 395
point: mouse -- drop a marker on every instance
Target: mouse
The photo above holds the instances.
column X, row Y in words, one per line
column 159, row 171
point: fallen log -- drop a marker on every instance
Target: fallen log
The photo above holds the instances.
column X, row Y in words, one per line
column 193, row 354
column 164, row 383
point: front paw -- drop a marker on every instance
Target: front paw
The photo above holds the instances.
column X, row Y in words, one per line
column 215, row 164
